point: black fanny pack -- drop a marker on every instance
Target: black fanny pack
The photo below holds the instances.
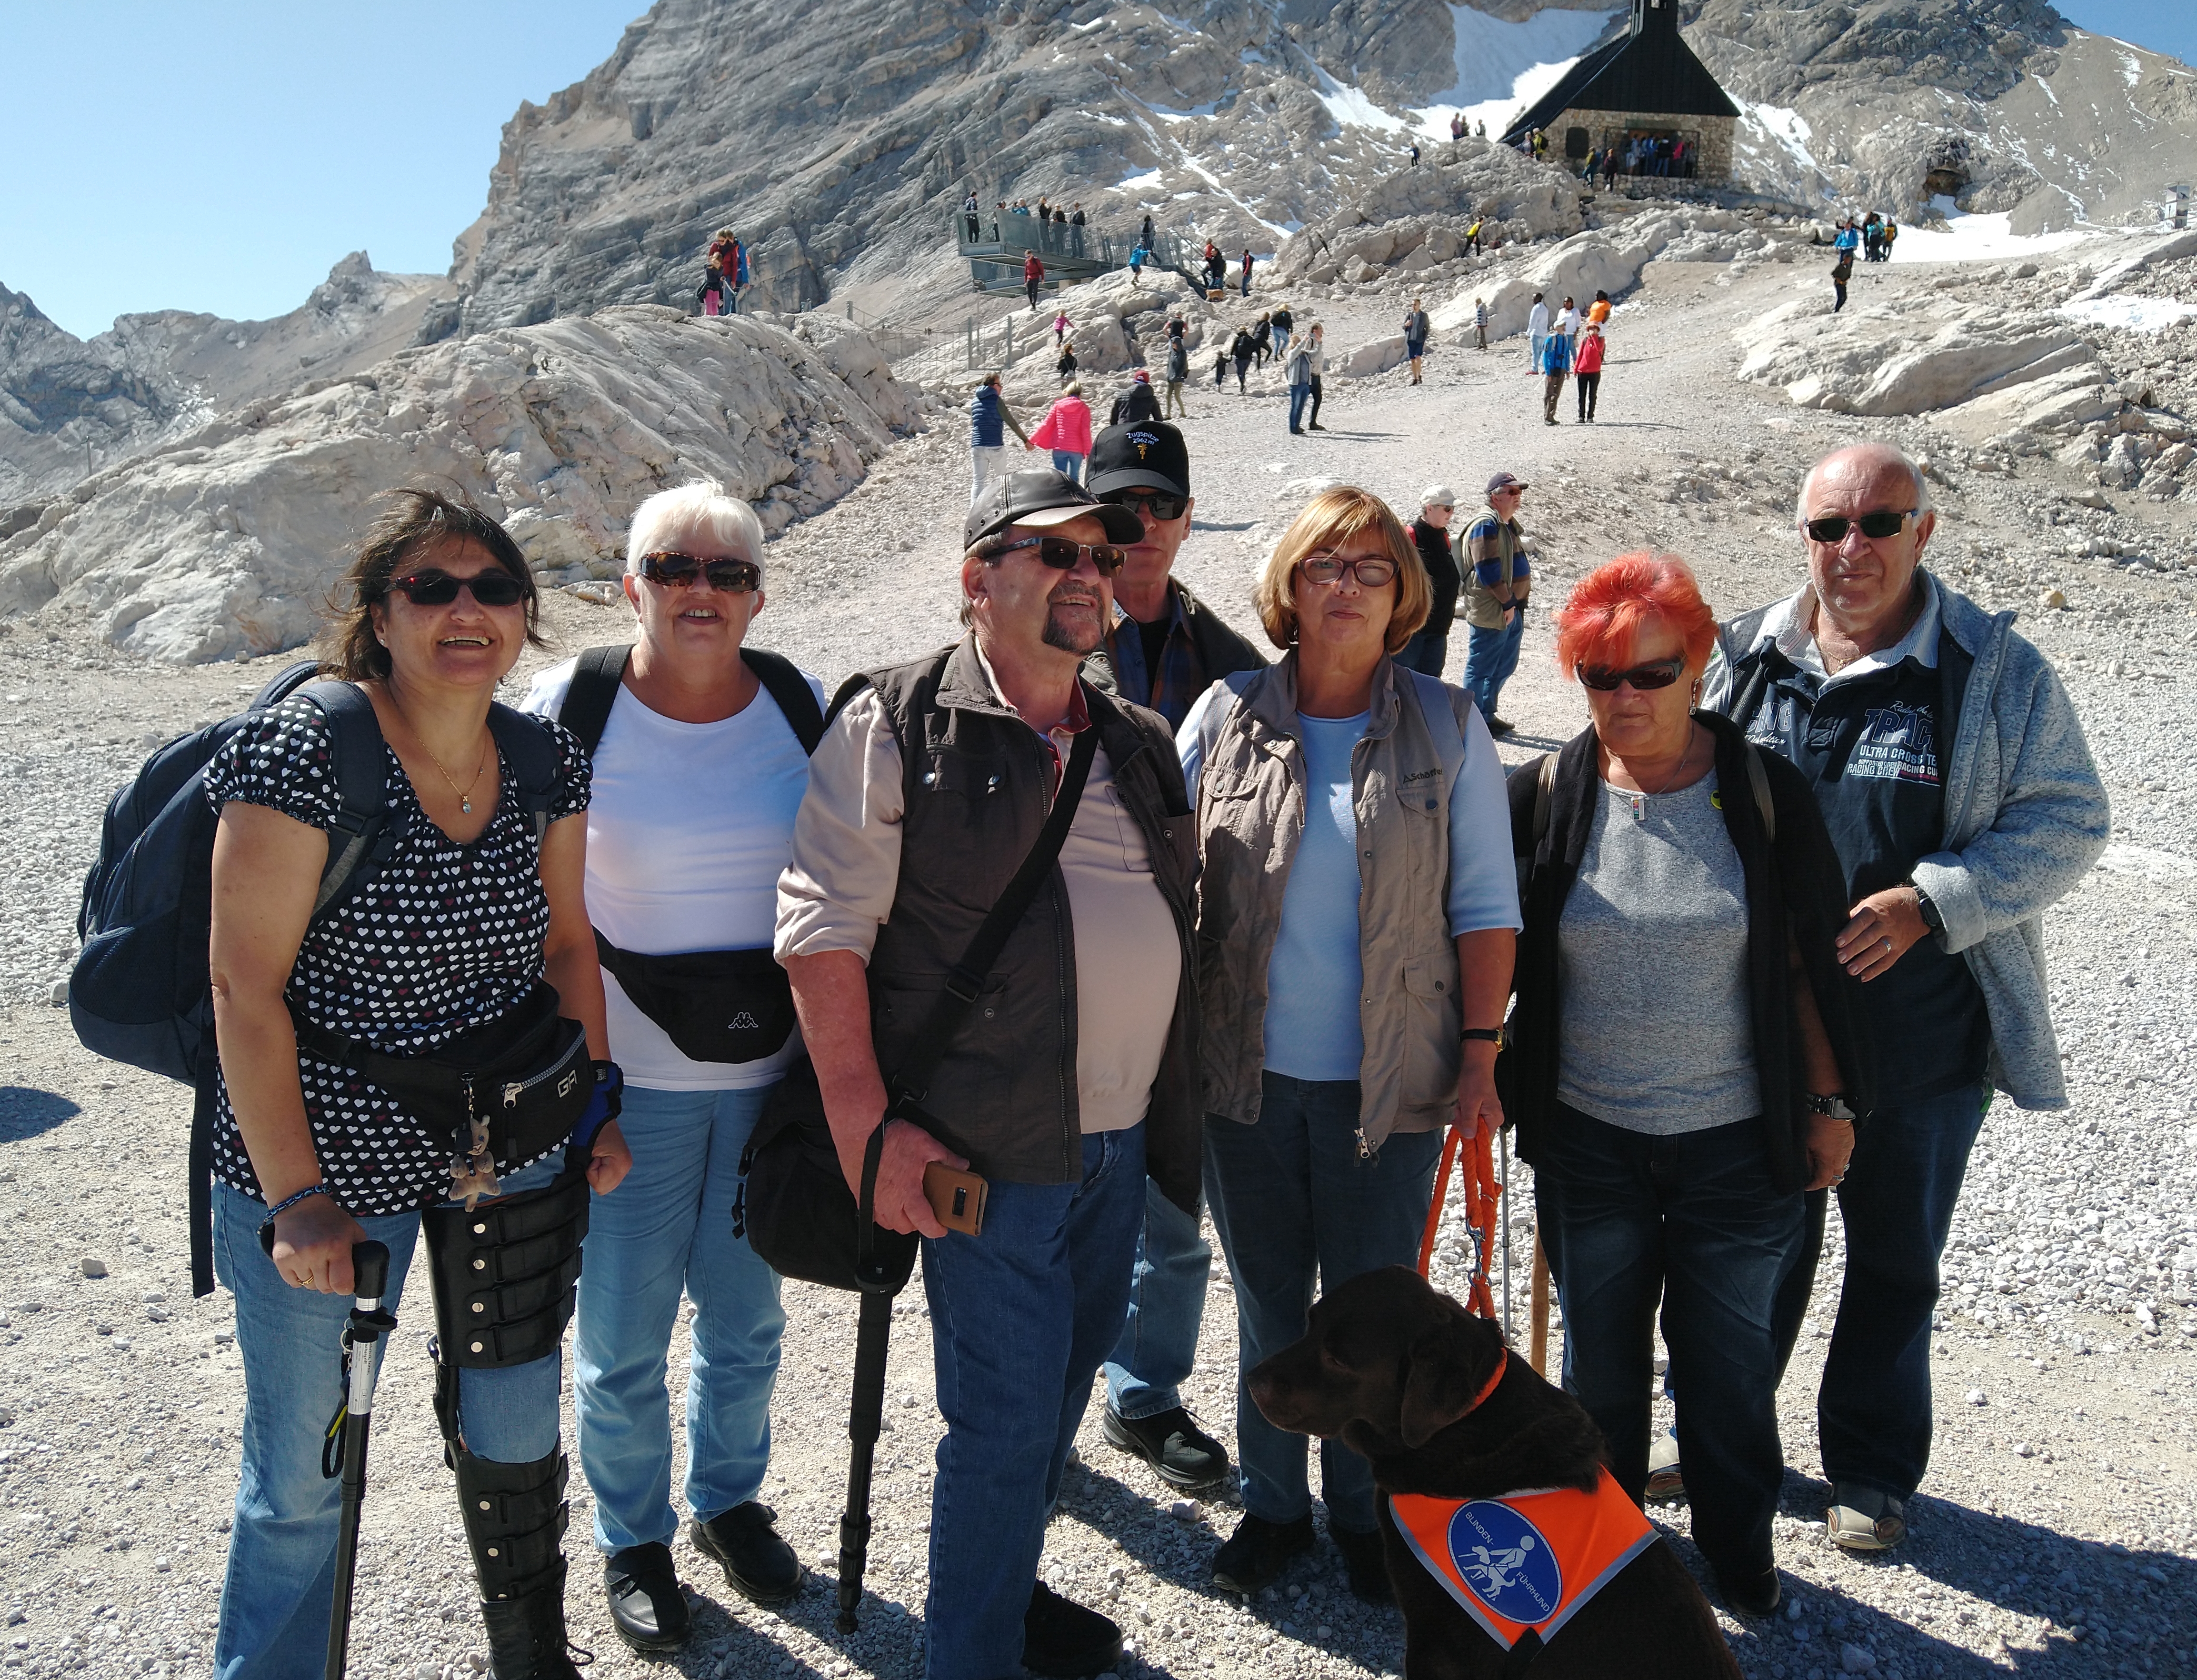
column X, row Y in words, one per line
column 714, row 1005
column 527, row 1074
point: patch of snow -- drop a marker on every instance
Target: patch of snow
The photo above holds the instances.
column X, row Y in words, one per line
column 1137, row 183
column 1976, row 238
column 1349, row 106
column 1787, row 127
column 2131, row 71
column 1502, row 66
column 1086, row 28
column 2133, row 314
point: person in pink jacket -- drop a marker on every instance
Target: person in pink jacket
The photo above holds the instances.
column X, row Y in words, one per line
column 1066, row 430
column 1586, row 370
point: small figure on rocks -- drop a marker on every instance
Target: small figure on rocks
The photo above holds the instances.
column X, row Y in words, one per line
column 1480, row 320
column 1033, row 277
column 1415, row 328
column 1241, row 350
column 1555, row 366
column 1283, row 324
column 1841, row 272
column 1536, row 328
column 1247, row 260
column 1586, row 366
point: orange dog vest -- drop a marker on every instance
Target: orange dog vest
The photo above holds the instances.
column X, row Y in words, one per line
column 1524, row 1564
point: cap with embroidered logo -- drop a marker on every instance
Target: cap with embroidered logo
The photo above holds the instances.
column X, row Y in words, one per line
column 1143, row 454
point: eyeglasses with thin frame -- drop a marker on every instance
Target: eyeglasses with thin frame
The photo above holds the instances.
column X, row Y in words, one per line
column 1833, row 527
column 682, row 571
column 1160, row 506
column 1656, row 674
column 1062, row 554
column 493, row 588
column 1371, row 571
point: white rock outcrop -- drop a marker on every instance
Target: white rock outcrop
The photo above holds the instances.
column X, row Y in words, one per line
column 226, row 542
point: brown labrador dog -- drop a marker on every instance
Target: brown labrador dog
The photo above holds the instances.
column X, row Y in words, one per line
column 1393, row 1368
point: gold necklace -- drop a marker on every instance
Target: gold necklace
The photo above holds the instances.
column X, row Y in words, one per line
column 466, row 793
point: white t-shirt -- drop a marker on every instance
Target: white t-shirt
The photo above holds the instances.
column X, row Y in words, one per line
column 690, row 825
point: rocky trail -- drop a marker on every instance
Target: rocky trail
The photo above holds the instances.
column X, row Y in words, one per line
column 2057, row 1533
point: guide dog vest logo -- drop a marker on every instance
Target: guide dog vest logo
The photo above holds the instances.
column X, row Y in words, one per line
column 1524, row 1564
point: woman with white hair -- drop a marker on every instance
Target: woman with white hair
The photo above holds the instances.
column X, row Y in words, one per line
column 700, row 753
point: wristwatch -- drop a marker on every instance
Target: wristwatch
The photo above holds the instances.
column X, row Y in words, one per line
column 1932, row 918
column 1486, row 1034
column 1834, row 1108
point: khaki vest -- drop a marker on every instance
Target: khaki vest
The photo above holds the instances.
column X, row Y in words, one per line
column 1250, row 820
column 1483, row 606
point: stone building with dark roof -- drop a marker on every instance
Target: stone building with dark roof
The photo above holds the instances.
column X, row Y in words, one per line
column 1646, row 85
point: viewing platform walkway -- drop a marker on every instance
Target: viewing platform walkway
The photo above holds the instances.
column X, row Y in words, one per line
column 994, row 247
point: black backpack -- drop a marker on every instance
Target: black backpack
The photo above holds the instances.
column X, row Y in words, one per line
column 140, row 992
column 600, row 671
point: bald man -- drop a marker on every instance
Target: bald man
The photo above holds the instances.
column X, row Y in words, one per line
column 1963, row 801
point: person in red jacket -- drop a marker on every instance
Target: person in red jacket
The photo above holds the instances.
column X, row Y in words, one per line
column 1586, row 369
column 1033, row 277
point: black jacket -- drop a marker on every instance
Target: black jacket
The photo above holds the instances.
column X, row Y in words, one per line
column 1136, row 403
column 1794, row 881
column 1442, row 574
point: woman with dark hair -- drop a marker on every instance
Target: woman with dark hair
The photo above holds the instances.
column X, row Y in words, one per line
column 353, row 1042
column 1682, row 1061
column 1356, row 914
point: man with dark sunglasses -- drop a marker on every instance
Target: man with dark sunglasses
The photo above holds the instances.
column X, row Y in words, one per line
column 1963, row 801
column 1164, row 648
column 1071, row 1076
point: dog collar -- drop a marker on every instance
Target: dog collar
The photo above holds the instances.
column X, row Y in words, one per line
column 1489, row 1387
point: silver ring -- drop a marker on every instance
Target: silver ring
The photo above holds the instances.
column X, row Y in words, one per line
column 1887, row 942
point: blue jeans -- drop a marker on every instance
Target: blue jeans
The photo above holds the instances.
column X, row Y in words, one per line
column 1020, row 1318
column 1873, row 1410
column 1490, row 657
column 1281, row 342
column 1299, row 395
column 1296, row 1207
column 1428, row 651
column 1167, row 1303
column 1693, row 1221
column 275, row 1599
column 1068, row 463
column 669, row 1228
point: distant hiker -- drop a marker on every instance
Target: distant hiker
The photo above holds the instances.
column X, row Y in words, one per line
column 1587, row 365
column 1840, row 274
column 1554, row 367
column 1246, row 270
column 1480, row 320
column 1567, row 320
column 1415, row 328
column 1221, row 366
column 989, row 417
column 1870, row 226
column 1298, row 372
column 1137, row 403
column 1241, row 350
column 1283, row 324
column 969, row 214
column 722, row 274
column 1415, row 155
column 1891, row 233
column 1598, row 312
column 1216, row 267
column 1428, row 651
column 1483, row 128
column 1262, row 340
column 1066, row 430
column 1536, row 328
column 1317, row 346
column 1848, row 238
column 1177, row 375
column 1496, row 583
column 1060, row 326
column 1146, row 236
column 1033, row 277
column 1066, row 367
column 1137, row 257
column 1043, row 213
column 1076, row 222
column 1472, row 238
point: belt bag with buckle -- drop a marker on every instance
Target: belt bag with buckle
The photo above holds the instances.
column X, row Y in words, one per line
column 526, row 1074
column 714, row 1005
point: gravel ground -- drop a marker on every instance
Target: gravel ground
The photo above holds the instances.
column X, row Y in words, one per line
column 2057, row 1534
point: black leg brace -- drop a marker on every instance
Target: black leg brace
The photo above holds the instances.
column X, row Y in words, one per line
column 505, row 1276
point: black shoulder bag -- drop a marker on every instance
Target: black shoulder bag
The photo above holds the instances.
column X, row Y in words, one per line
column 794, row 1205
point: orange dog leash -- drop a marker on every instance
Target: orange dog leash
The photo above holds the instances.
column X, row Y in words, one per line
column 1480, row 1192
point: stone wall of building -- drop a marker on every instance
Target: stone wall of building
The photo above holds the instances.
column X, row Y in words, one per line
column 1709, row 137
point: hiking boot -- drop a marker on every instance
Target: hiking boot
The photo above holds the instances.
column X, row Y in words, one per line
column 761, row 1568
column 1748, row 1592
column 648, row 1610
column 1062, row 1641
column 1364, row 1559
column 1254, row 1556
column 1315, row 426
column 1667, row 1484
column 1500, row 726
column 1171, row 1442
column 1863, row 1519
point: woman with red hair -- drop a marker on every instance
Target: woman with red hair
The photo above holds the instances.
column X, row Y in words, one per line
column 1682, row 1047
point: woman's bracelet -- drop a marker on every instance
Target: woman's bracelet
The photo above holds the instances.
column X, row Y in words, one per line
column 290, row 1201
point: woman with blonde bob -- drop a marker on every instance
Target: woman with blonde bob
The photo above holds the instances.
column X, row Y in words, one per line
column 1356, row 916
column 1683, row 1060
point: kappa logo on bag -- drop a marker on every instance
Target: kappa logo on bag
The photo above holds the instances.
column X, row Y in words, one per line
column 742, row 1022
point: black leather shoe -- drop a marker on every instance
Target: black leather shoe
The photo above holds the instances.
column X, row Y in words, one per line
column 1062, row 1641
column 1364, row 1558
column 1171, row 1442
column 647, row 1608
column 761, row 1566
column 1254, row 1556
column 1748, row 1592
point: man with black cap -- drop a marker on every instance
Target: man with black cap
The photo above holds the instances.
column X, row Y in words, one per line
column 1070, row 1080
column 1164, row 649
column 1495, row 590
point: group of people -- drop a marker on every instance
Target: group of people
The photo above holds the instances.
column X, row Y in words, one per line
column 1214, row 266
column 1653, row 154
column 1567, row 344
column 724, row 272
column 1872, row 235
column 1765, row 928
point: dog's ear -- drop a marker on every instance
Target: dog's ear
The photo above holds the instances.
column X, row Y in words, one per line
column 1447, row 1368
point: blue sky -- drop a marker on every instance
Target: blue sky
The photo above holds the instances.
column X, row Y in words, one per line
column 222, row 156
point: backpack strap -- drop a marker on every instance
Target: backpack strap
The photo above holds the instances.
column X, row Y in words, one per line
column 1758, row 778
column 596, row 676
column 361, row 835
column 786, row 686
column 537, row 765
column 1545, row 791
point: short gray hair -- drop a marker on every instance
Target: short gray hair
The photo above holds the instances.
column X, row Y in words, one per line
column 1891, row 452
column 704, row 507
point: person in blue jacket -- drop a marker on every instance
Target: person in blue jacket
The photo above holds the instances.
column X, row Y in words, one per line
column 989, row 421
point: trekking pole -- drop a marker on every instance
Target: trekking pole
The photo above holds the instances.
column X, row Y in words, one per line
column 347, row 1431
column 872, row 1342
column 1539, row 1346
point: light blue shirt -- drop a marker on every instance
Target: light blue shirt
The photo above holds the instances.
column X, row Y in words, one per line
column 1314, row 972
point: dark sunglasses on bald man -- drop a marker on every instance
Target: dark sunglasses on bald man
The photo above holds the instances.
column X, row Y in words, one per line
column 1161, row 506
column 1061, row 554
column 680, row 571
column 1833, row 527
column 438, row 589
column 1660, row 674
